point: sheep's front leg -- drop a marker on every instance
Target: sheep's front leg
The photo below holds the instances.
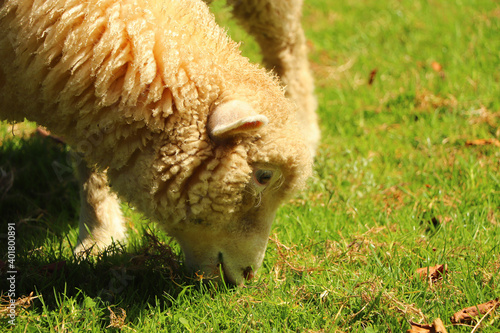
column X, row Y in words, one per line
column 101, row 220
column 276, row 25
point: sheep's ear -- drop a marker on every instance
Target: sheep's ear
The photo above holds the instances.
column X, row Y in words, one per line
column 234, row 117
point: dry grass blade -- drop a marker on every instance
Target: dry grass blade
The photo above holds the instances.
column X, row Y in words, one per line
column 117, row 321
column 22, row 302
column 157, row 254
column 402, row 307
column 436, row 327
column 284, row 257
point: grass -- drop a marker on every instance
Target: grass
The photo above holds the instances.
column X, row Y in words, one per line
column 399, row 184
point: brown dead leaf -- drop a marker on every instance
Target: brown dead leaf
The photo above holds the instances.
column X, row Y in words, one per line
column 468, row 314
column 436, row 327
column 373, row 73
column 436, row 66
column 433, row 273
column 483, row 142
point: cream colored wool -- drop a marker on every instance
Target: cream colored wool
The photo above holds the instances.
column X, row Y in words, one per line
column 276, row 25
column 131, row 85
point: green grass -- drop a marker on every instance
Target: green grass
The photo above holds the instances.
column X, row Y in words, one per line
column 396, row 187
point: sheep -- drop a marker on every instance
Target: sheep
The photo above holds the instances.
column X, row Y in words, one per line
column 166, row 113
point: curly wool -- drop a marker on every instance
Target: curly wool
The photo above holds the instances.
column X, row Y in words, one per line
column 130, row 85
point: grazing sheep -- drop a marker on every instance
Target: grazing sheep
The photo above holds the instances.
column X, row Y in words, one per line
column 156, row 98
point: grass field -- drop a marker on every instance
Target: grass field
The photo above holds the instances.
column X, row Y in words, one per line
column 407, row 176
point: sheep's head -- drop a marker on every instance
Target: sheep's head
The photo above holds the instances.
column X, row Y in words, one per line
column 232, row 203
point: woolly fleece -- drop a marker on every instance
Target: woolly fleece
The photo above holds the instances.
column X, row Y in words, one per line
column 131, row 85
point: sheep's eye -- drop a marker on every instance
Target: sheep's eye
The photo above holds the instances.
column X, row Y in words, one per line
column 263, row 177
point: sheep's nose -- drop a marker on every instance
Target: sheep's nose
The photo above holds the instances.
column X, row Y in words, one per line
column 248, row 273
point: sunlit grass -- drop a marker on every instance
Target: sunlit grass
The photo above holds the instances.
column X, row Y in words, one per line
column 399, row 184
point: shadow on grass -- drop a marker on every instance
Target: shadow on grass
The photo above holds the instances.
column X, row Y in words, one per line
column 39, row 195
column 133, row 279
column 34, row 194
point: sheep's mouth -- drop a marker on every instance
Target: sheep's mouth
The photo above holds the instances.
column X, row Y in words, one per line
column 247, row 273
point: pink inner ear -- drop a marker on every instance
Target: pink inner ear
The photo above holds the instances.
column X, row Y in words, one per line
column 250, row 125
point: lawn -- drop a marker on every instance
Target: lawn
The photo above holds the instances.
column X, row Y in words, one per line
column 407, row 176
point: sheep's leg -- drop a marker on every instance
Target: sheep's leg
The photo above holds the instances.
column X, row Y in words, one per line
column 101, row 220
column 276, row 25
